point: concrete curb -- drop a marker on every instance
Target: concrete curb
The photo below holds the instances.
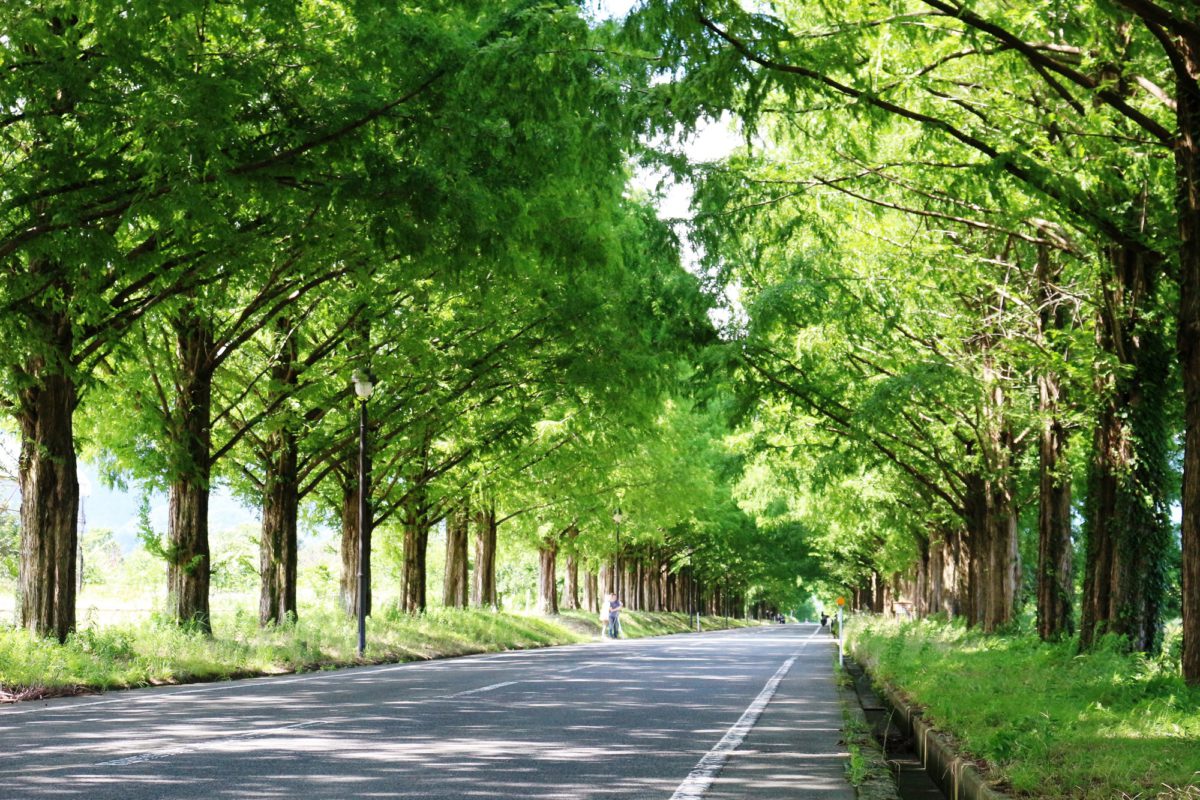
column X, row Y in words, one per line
column 956, row 776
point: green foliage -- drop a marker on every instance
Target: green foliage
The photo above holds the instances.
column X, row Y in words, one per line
column 1048, row 721
column 10, row 547
column 636, row 624
column 102, row 556
column 235, row 556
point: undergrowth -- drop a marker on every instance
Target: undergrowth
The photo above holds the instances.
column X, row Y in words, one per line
column 1051, row 722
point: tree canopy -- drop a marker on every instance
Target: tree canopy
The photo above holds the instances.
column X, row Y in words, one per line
column 955, row 257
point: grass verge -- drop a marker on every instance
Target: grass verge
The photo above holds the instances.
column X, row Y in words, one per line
column 1048, row 721
column 153, row 653
column 636, row 624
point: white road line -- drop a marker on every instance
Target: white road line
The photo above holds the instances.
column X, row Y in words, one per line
column 480, row 690
column 705, row 772
column 588, row 665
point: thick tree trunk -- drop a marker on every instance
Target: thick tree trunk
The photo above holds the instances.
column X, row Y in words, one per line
column 935, row 600
column 281, row 497
column 591, row 592
column 416, row 547
column 483, row 585
column 1005, row 560
column 189, row 568
column 1002, row 576
column 993, row 561
column 1128, row 530
column 570, row 598
column 548, row 576
column 660, row 584
column 1187, row 162
column 921, row 582
column 278, row 543
column 348, row 585
column 455, row 587
column 1055, row 587
column 976, row 548
column 49, row 497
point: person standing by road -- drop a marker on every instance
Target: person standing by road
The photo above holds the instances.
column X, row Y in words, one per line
column 614, row 616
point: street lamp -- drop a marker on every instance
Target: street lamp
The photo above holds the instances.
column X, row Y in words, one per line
column 362, row 389
column 617, row 556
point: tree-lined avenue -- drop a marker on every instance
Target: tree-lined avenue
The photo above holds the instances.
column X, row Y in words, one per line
column 631, row 719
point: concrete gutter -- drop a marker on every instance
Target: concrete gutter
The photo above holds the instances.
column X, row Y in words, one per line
column 879, row 782
column 957, row 776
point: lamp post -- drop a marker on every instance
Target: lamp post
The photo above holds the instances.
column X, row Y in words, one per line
column 362, row 389
column 617, row 556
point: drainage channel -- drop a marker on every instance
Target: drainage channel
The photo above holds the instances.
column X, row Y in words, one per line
column 912, row 780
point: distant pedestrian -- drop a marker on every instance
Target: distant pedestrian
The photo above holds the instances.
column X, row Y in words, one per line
column 613, row 606
column 824, row 620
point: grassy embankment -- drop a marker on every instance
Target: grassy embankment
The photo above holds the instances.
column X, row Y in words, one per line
column 149, row 653
column 1049, row 722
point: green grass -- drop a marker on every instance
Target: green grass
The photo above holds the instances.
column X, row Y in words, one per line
column 636, row 624
column 150, row 653
column 1049, row 722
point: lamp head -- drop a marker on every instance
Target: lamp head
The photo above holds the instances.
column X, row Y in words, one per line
column 617, row 516
column 362, row 385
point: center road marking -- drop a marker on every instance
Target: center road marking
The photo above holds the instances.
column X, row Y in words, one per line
column 480, row 690
column 705, row 772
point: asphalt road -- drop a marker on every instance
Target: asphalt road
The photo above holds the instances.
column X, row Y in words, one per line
column 746, row 714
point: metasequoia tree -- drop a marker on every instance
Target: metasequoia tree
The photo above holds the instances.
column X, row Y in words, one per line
column 123, row 209
column 930, row 60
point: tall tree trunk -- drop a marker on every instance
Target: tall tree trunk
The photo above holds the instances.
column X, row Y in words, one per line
column 976, row 548
column 1005, row 571
column 1055, row 587
column 548, row 576
column 278, row 543
column 876, row 592
column 281, row 496
column 483, row 586
column 1187, row 164
column 49, row 492
column 993, row 561
column 1002, row 576
column 348, row 585
column 189, row 568
column 455, row 586
column 921, row 580
column 591, row 592
column 571, row 587
column 935, row 602
column 1128, row 530
column 416, row 547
